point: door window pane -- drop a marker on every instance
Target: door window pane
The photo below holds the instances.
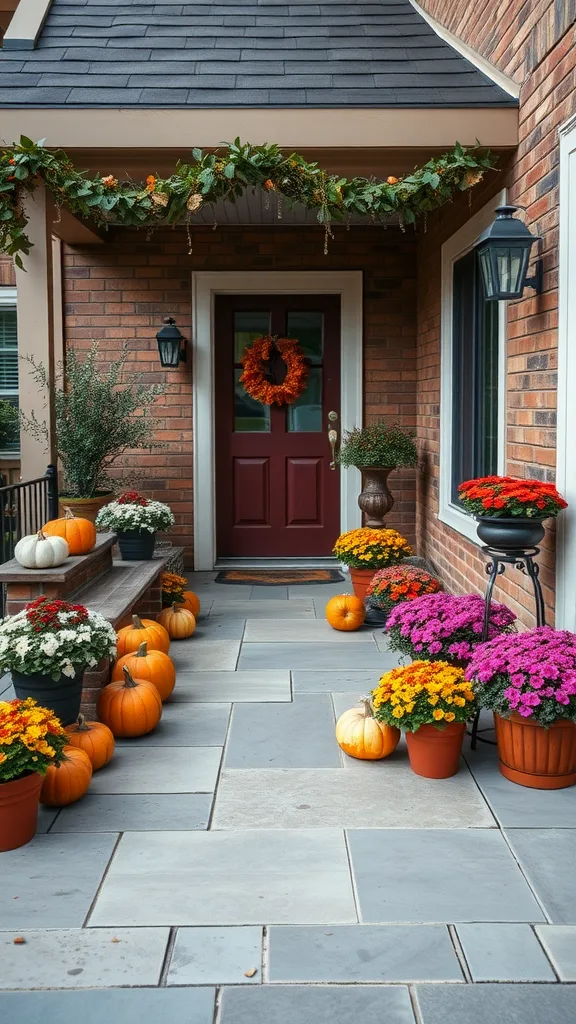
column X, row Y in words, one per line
column 249, row 416
column 308, row 328
column 247, row 327
column 305, row 414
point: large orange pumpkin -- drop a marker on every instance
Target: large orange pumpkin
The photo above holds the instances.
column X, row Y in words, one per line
column 155, row 666
column 69, row 782
column 94, row 738
column 345, row 612
column 79, row 534
column 142, row 631
column 191, row 602
column 360, row 735
column 131, row 707
column 178, row 621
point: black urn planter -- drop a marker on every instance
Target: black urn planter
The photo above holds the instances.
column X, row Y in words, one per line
column 136, row 545
column 62, row 696
column 509, row 533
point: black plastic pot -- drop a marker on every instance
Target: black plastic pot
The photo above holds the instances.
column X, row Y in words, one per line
column 374, row 615
column 136, row 545
column 509, row 533
column 62, row 697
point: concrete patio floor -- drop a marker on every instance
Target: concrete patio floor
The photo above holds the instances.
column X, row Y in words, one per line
column 237, row 838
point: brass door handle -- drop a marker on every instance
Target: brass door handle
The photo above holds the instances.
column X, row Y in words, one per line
column 332, row 437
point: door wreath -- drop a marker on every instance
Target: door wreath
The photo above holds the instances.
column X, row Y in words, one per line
column 275, row 370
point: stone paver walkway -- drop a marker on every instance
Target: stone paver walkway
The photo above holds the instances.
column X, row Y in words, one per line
column 234, row 867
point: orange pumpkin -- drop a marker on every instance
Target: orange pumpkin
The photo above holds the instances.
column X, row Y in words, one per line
column 191, row 602
column 79, row 534
column 67, row 783
column 142, row 631
column 361, row 735
column 155, row 666
column 178, row 621
column 345, row 612
column 94, row 738
column 131, row 707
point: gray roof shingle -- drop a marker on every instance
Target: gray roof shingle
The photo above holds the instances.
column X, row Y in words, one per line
column 257, row 53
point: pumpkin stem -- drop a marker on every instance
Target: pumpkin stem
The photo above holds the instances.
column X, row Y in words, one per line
column 81, row 725
column 137, row 623
column 40, row 535
column 68, row 513
column 174, row 606
column 367, row 703
column 142, row 650
column 128, row 680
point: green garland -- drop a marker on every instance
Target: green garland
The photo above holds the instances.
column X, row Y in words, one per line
column 221, row 175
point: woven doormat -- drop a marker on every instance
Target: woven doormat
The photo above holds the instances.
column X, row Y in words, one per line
column 277, row 577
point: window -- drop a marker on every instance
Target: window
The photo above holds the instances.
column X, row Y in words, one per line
column 9, row 355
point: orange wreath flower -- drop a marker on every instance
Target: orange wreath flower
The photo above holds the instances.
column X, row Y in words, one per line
column 253, row 377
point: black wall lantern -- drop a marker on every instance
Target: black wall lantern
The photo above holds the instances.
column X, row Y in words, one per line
column 504, row 252
column 171, row 344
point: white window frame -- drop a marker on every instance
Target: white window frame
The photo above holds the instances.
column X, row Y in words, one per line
column 8, row 300
column 460, row 243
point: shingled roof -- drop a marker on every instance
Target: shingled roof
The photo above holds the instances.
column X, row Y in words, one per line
column 241, row 53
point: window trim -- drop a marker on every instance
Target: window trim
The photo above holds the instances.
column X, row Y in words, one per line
column 8, row 300
column 460, row 243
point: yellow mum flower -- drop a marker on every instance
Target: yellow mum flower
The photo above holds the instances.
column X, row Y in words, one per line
column 398, row 712
column 438, row 714
column 449, row 716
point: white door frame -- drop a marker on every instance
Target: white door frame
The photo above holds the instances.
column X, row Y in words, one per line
column 205, row 286
column 566, row 435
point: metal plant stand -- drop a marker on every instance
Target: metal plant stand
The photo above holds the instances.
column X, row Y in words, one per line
column 495, row 567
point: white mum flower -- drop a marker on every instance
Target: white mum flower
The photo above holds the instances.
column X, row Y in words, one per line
column 49, row 645
column 68, row 669
column 22, row 646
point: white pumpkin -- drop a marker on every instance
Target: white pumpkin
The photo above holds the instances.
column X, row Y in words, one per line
column 37, row 551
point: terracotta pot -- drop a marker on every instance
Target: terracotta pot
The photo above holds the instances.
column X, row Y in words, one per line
column 534, row 756
column 86, row 508
column 375, row 499
column 19, row 810
column 435, row 753
column 361, row 579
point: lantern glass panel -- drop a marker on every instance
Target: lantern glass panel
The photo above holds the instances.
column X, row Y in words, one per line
column 169, row 351
column 490, row 285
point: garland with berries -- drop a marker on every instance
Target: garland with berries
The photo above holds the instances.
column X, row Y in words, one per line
column 222, row 175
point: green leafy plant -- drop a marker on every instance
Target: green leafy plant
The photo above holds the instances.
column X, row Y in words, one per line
column 100, row 415
column 8, row 424
column 224, row 174
column 378, row 444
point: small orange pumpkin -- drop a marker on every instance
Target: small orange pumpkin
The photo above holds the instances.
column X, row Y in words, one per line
column 361, row 735
column 131, row 707
column 142, row 630
column 345, row 612
column 178, row 621
column 69, row 781
column 155, row 666
column 79, row 534
column 191, row 602
column 94, row 738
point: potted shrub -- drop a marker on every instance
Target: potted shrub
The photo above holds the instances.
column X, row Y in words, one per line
column 431, row 702
column 47, row 647
column 510, row 512
column 444, row 627
column 390, row 587
column 376, row 450
column 365, row 550
column 101, row 412
column 529, row 682
column 135, row 520
column 31, row 739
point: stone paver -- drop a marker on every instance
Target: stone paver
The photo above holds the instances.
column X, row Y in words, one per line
column 171, row 770
column 480, row 1004
column 240, row 687
column 298, row 735
column 51, row 882
column 114, row 1006
column 264, row 609
column 215, row 628
column 548, row 859
column 216, row 878
column 394, row 798
column 503, row 952
column 278, row 631
column 83, row 958
column 214, row 655
column 323, row 656
column 216, row 956
column 326, row 682
column 136, row 812
column 189, row 725
column 470, row 875
column 307, row 1004
column 362, row 953
column 559, row 941
column 46, row 818
column 520, row 807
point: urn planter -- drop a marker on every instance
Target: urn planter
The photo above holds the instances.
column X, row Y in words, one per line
column 534, row 756
column 61, row 696
column 434, row 752
column 19, row 810
column 509, row 533
column 136, row 545
column 85, row 508
column 375, row 499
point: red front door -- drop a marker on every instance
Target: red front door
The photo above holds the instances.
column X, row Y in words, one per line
column 276, row 493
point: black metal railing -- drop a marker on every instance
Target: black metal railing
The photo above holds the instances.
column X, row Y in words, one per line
column 24, row 508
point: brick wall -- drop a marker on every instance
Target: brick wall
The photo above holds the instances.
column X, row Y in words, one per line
column 119, row 293
column 534, row 43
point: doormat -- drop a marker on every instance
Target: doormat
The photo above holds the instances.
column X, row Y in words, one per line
column 279, row 577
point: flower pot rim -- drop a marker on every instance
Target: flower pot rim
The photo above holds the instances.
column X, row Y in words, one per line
column 439, row 726
column 91, row 497
column 373, row 466
column 512, row 519
column 521, row 720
